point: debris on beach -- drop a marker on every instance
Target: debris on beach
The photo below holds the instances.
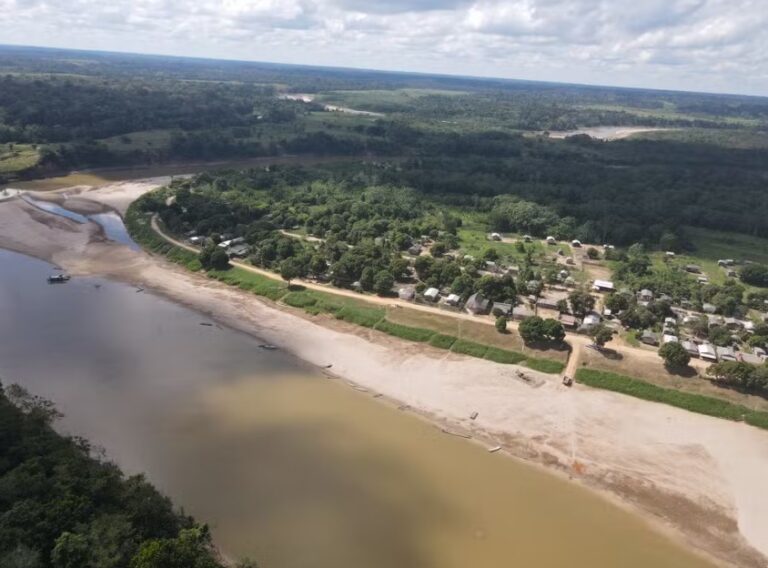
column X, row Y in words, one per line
column 457, row 434
column 205, row 323
column 473, row 415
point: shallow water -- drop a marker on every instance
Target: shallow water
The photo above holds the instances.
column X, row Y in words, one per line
column 288, row 467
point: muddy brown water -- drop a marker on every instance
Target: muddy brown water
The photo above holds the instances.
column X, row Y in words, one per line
column 288, row 467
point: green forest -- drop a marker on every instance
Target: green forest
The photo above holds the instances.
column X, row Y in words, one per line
column 60, row 507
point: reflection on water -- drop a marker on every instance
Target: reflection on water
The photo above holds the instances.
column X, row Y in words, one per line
column 290, row 468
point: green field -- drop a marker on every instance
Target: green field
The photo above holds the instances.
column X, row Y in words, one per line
column 139, row 141
column 16, row 158
column 473, row 240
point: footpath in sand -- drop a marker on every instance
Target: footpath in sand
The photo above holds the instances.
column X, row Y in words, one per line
column 701, row 477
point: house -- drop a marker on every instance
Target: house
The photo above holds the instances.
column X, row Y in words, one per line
column 715, row 321
column 731, row 273
column 649, row 338
column 568, row 321
column 239, row 251
column 702, row 280
column 432, row 294
column 406, row 294
column 749, row 326
column 547, row 303
column 603, row 286
column 356, row 285
column 709, row 308
column 415, row 250
column 501, row 309
column 733, row 323
column 669, row 338
column 495, row 237
column 725, row 262
column 750, row 358
column 576, row 243
column 707, row 352
column 670, row 321
column 726, row 354
column 551, row 240
column 693, row 268
column 453, row 299
column 691, row 348
column 527, row 238
column 477, row 304
column 590, row 321
column 196, row 240
column 521, row 312
column 645, row 295
column 760, row 352
column 669, row 254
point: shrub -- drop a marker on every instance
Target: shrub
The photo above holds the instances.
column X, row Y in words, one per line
column 501, row 324
column 675, row 356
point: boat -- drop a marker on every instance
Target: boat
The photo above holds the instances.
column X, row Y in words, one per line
column 268, row 346
column 58, row 278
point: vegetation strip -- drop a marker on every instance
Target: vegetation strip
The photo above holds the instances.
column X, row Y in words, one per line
column 687, row 401
column 315, row 302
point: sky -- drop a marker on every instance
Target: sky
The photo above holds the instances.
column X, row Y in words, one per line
column 696, row 45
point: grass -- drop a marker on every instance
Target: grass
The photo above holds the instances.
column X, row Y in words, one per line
column 140, row 229
column 405, row 332
column 469, row 348
column 251, row 282
column 692, row 402
column 503, row 356
column 442, row 341
column 545, row 365
column 17, row 158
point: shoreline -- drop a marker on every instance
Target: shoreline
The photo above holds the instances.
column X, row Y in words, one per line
column 551, row 428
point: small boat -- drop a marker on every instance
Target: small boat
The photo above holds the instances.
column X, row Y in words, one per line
column 473, row 415
column 205, row 323
column 58, row 278
column 268, row 346
column 494, row 449
column 139, row 290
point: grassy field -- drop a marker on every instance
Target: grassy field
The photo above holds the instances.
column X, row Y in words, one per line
column 669, row 111
column 693, row 402
column 473, row 240
column 17, row 158
column 144, row 140
column 710, row 246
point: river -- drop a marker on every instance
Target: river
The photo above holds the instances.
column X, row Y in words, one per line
column 289, row 467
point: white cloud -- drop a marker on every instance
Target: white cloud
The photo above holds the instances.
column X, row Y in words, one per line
column 691, row 44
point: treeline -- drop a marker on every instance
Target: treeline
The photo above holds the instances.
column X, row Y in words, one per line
column 62, row 508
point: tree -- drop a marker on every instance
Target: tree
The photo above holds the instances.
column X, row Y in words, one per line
column 191, row 549
column 438, row 249
column 383, row 283
column 289, row 270
column 367, row 278
column 491, row 254
column 755, row 274
column 582, row 302
column 601, row 335
column 532, row 329
column 562, row 306
column 463, row 285
column 593, row 253
column 70, row 551
column 675, row 356
column 553, row 330
column 501, row 324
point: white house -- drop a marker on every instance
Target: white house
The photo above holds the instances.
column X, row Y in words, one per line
column 432, row 294
column 603, row 286
column 707, row 352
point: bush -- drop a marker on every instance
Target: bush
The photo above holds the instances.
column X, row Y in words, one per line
column 501, row 324
column 404, row 331
column 755, row 274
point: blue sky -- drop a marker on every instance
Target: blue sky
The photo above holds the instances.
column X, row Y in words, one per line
column 701, row 45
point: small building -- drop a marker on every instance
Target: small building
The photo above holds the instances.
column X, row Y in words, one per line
column 406, row 294
column 749, row 326
column 726, row 262
column 750, row 358
column 453, row 300
column 702, row 280
column 527, row 238
column 501, row 309
column 733, row 323
column 591, row 320
column 547, row 303
column 693, row 268
column 726, row 354
column 645, row 295
column 731, row 273
column 690, row 347
column 669, row 338
column 415, row 250
column 551, row 240
column 576, row 243
column 670, row 321
column 603, row 286
column 196, row 240
column 495, row 237
column 432, row 294
column 239, row 251
column 477, row 304
column 669, row 254
column 568, row 321
column 708, row 352
column 715, row 321
column 760, row 352
column 521, row 312
column 649, row 338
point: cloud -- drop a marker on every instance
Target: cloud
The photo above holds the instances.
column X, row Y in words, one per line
column 690, row 44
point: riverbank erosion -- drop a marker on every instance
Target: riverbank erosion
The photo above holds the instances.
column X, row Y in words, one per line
column 696, row 476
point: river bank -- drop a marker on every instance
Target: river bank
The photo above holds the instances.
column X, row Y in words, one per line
column 691, row 474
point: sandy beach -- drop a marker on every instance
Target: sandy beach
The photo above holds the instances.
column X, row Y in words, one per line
column 698, row 477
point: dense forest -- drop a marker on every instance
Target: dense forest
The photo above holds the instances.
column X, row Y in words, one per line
column 464, row 142
column 62, row 508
